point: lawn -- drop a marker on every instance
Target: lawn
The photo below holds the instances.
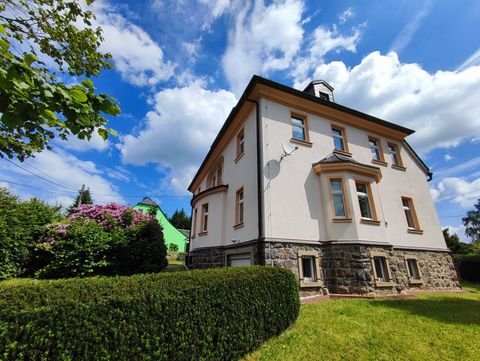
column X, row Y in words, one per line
column 436, row 326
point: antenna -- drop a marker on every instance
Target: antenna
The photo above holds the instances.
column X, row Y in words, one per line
column 288, row 149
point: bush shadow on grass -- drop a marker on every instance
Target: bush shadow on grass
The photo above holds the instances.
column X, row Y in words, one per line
column 443, row 309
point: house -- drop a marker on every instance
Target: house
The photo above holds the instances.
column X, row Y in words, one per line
column 174, row 239
column 339, row 197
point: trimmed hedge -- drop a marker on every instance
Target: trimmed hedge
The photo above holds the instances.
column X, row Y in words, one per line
column 216, row 314
column 468, row 265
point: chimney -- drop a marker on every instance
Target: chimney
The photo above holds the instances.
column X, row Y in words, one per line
column 320, row 89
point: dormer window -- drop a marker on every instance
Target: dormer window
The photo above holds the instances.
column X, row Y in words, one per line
column 323, row 96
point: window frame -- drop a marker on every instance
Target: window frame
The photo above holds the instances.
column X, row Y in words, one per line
column 195, row 215
column 317, row 282
column 204, row 220
column 306, row 130
column 416, row 229
column 240, row 144
column 379, row 148
column 371, row 203
column 239, row 203
column 376, row 279
column 345, row 150
column 411, row 278
column 399, row 163
column 335, row 218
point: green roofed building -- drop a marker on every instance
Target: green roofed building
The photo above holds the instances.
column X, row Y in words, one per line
column 171, row 235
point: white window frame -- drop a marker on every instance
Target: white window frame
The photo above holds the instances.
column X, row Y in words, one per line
column 315, row 262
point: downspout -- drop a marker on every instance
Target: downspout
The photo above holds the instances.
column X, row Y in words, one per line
column 261, row 258
column 190, row 237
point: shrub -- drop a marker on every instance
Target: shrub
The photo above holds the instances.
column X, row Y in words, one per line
column 21, row 224
column 200, row 315
column 468, row 265
column 145, row 250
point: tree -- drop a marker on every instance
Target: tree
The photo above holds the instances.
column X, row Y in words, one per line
column 83, row 197
column 454, row 244
column 472, row 223
column 42, row 41
column 180, row 220
column 21, row 225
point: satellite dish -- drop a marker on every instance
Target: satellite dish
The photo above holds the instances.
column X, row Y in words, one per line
column 288, row 149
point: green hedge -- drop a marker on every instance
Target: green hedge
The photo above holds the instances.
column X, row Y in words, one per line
column 200, row 315
column 468, row 265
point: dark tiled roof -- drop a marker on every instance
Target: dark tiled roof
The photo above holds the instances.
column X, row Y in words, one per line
column 337, row 158
column 185, row 232
column 149, row 202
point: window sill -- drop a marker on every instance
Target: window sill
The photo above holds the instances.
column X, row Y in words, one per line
column 305, row 284
column 200, row 234
column 341, row 220
column 379, row 162
column 370, row 221
column 415, row 231
column 384, row 284
column 305, row 143
column 399, row 167
column 239, row 157
column 342, row 152
column 237, row 226
column 415, row 282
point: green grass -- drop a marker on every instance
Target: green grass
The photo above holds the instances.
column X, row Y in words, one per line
column 436, row 326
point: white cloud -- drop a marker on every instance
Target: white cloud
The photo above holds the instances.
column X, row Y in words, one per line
column 406, row 34
column 435, row 193
column 68, row 171
column 345, row 15
column 459, row 191
column 321, row 43
column 447, row 157
column 179, row 131
column 442, row 107
column 264, row 39
column 137, row 57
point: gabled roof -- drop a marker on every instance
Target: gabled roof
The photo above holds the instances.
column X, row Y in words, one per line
column 259, row 81
column 148, row 202
column 315, row 82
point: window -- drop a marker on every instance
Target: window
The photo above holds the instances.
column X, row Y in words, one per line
column 204, row 225
column 336, row 187
column 323, row 96
column 194, row 222
column 308, row 269
column 410, row 214
column 381, row 269
column 339, row 142
column 412, row 267
column 240, row 260
column 299, row 131
column 395, row 156
column 239, row 207
column 364, row 200
column 376, row 149
column 240, row 143
column 219, row 175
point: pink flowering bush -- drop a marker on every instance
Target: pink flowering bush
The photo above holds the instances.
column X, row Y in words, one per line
column 99, row 240
column 110, row 215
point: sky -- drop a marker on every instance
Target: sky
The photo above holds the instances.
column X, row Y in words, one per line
column 180, row 66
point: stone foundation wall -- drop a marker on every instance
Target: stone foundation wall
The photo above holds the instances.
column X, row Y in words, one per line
column 348, row 269
column 207, row 258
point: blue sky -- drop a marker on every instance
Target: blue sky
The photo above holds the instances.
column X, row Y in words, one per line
column 181, row 65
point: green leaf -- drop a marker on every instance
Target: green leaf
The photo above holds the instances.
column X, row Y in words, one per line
column 88, row 83
column 29, row 58
column 2, row 29
column 112, row 132
column 103, row 133
column 78, row 95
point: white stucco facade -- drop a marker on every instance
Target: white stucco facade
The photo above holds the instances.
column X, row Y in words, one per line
column 296, row 199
